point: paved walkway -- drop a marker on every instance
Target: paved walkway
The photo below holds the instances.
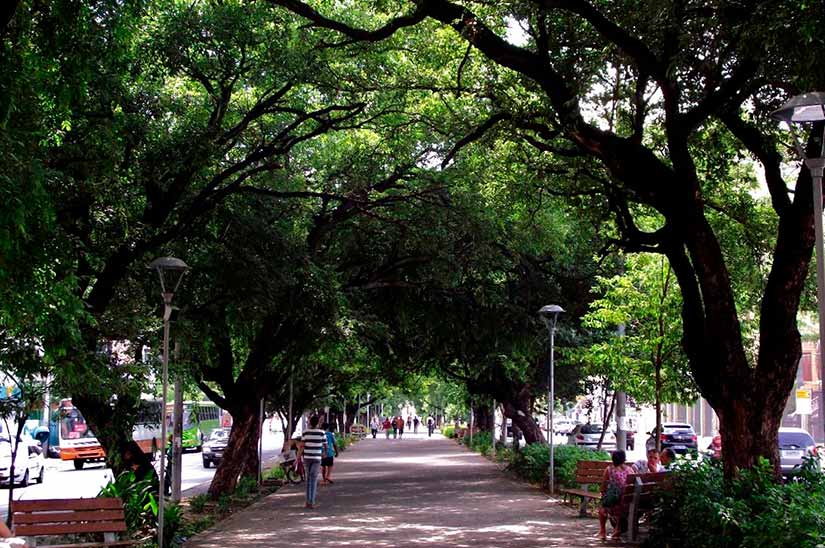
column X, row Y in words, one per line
column 404, row 493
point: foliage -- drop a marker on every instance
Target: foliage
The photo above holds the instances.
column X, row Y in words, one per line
column 245, row 486
column 448, row 431
column 198, row 502
column 750, row 510
column 172, row 520
column 645, row 301
column 139, row 502
column 275, row 473
column 531, row 463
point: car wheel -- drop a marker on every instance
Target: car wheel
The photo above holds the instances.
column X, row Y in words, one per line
column 206, row 463
column 78, row 464
column 25, row 482
column 42, row 474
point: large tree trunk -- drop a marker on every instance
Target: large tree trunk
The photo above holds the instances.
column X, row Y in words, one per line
column 520, row 412
column 241, row 454
column 483, row 418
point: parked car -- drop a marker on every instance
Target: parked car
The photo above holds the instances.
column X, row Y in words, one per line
column 564, row 426
column 588, row 435
column 29, row 462
column 678, row 436
column 795, row 444
column 214, row 446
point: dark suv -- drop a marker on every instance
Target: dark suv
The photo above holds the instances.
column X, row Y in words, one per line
column 214, row 447
column 677, row 436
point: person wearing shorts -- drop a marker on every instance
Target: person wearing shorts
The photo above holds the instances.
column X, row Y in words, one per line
column 330, row 452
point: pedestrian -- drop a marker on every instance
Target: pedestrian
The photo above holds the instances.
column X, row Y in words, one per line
column 387, row 426
column 400, row 424
column 311, row 450
column 667, row 457
column 615, row 478
column 409, row 422
column 374, row 426
column 330, row 452
column 416, row 422
column 430, row 427
column 649, row 465
column 395, row 428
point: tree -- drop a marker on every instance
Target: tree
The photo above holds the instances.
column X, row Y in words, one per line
column 678, row 70
column 646, row 360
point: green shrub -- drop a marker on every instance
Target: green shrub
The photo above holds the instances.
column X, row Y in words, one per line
column 342, row 441
column 140, row 505
column 172, row 519
column 245, row 486
column 750, row 511
column 531, row 462
column 448, row 431
column 198, row 502
column 275, row 473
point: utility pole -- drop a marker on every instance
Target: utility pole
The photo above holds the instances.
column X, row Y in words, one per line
column 621, row 404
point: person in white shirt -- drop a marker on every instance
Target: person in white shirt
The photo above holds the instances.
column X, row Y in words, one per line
column 374, row 426
column 649, row 465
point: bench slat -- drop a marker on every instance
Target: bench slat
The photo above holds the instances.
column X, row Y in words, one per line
column 582, row 493
column 103, row 503
column 592, row 465
column 95, row 544
column 69, row 516
column 32, row 530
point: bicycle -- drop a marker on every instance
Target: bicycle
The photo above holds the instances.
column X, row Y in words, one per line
column 293, row 468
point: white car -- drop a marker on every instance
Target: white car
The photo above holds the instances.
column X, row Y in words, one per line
column 29, row 463
column 587, row 435
column 564, row 426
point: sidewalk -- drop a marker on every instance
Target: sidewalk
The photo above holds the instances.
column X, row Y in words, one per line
column 410, row 492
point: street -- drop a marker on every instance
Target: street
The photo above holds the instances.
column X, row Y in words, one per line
column 63, row 481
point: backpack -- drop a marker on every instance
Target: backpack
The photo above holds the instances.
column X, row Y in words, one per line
column 612, row 495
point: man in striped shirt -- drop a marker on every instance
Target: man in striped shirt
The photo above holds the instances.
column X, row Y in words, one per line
column 313, row 442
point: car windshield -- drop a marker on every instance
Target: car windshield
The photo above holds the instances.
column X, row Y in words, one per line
column 219, row 435
column 798, row 439
column 591, row 429
column 678, row 427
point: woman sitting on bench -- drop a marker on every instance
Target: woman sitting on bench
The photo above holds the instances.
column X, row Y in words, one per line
column 615, row 478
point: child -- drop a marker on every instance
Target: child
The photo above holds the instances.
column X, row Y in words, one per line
column 331, row 451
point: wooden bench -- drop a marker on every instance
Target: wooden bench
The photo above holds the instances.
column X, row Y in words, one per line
column 639, row 496
column 51, row 517
column 588, row 472
column 358, row 430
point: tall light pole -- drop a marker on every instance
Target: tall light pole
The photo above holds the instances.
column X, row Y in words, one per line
column 171, row 271
column 810, row 108
column 549, row 314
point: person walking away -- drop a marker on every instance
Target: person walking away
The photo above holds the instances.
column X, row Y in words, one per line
column 374, row 426
column 387, row 426
column 615, row 478
column 311, row 450
column 416, row 422
column 430, row 427
column 330, row 452
column 409, row 423
column 400, row 424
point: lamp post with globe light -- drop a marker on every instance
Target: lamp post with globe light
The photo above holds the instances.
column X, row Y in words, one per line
column 549, row 314
column 809, row 108
column 171, row 271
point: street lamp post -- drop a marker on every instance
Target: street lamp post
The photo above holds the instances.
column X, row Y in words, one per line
column 549, row 314
column 810, row 108
column 171, row 271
